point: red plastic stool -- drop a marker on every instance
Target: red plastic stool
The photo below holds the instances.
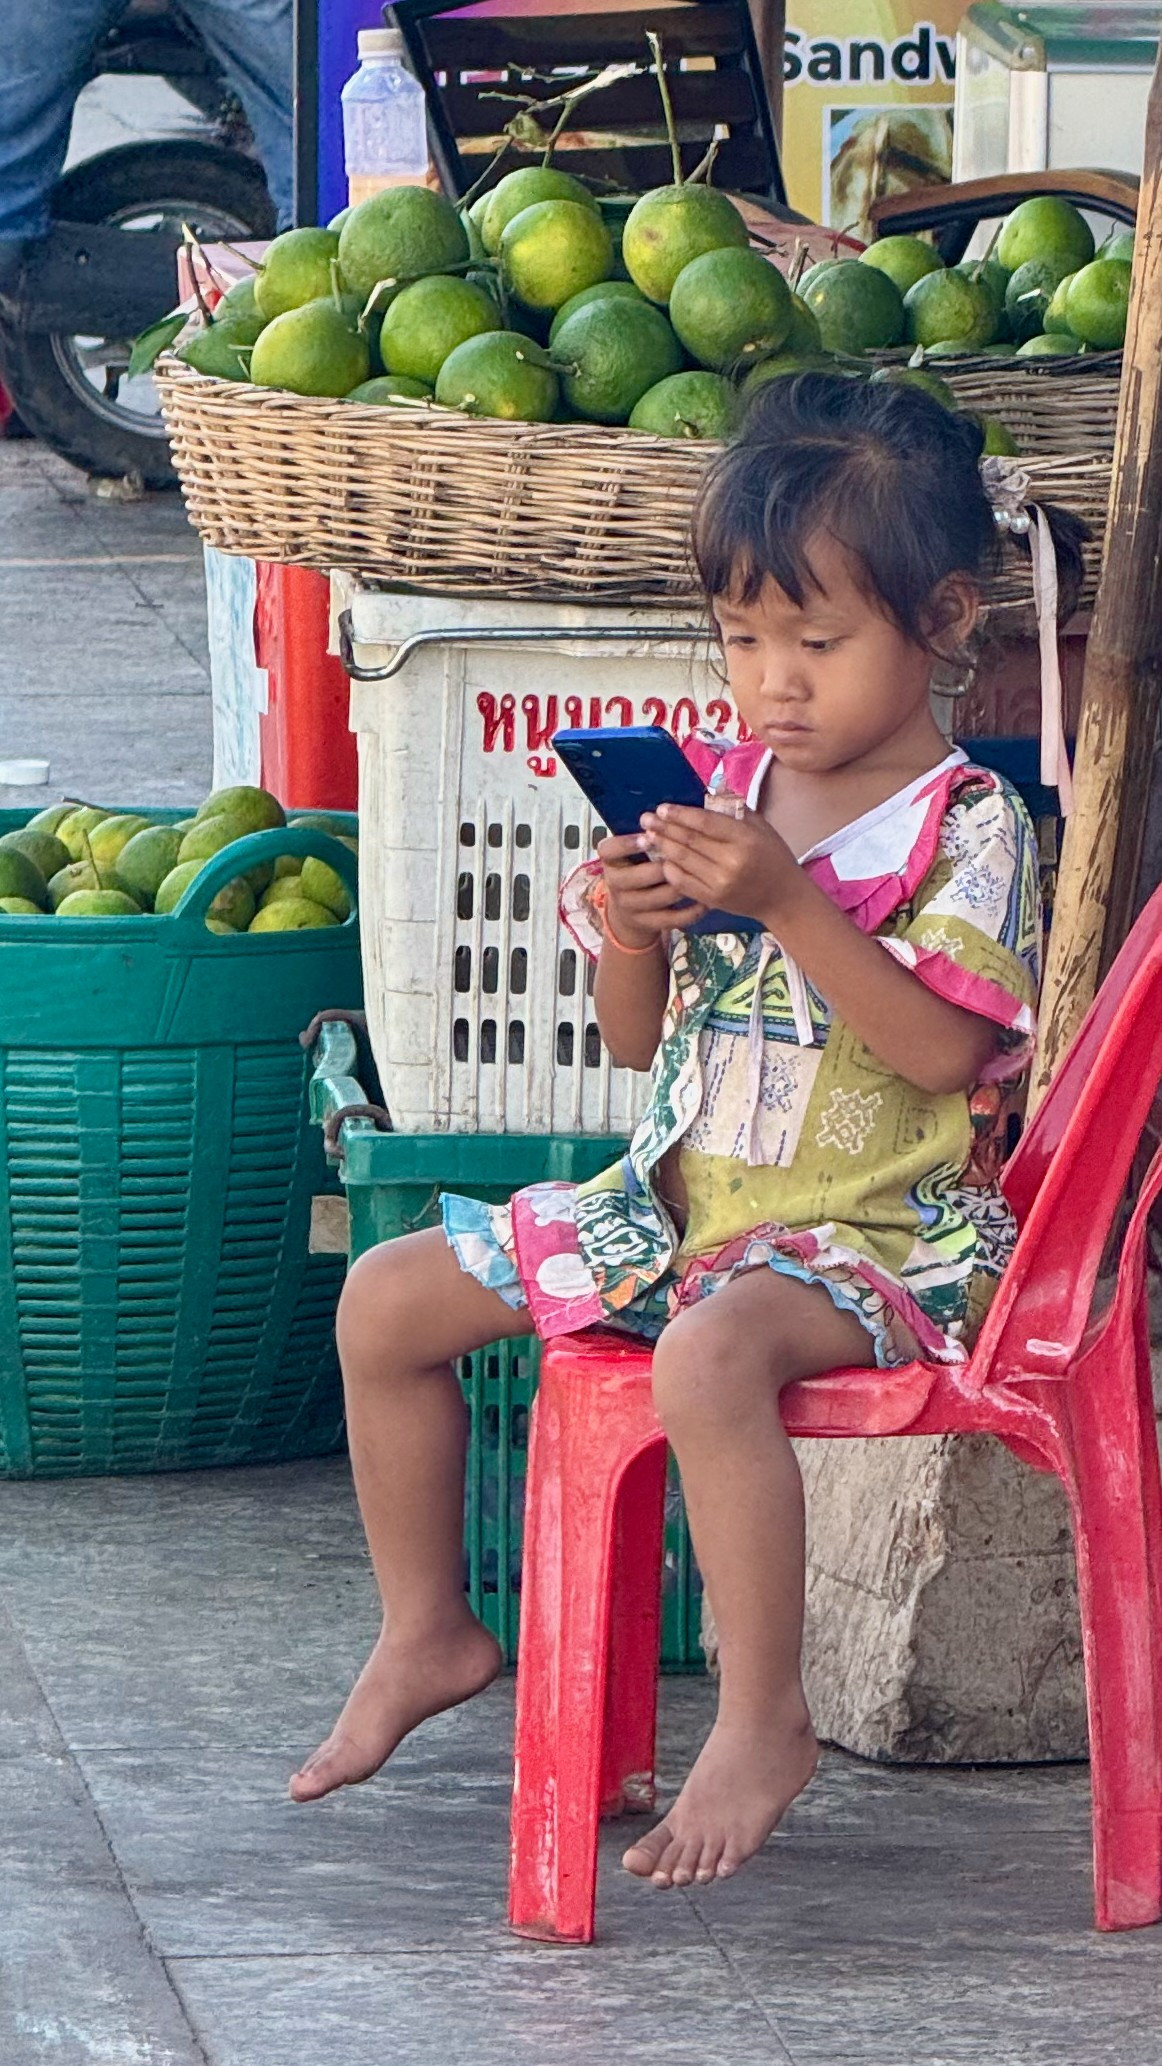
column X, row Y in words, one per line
column 309, row 754
column 1065, row 1393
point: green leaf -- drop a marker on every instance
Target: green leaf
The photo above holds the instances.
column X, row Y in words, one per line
column 152, row 342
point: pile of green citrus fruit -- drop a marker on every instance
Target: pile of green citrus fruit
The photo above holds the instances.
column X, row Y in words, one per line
column 542, row 303
column 81, row 861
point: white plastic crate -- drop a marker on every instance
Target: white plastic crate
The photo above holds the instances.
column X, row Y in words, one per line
column 478, row 1001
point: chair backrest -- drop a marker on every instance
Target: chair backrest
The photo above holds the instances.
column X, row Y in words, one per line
column 466, row 58
column 1066, row 1177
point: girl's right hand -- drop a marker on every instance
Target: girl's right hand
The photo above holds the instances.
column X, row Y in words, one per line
column 643, row 907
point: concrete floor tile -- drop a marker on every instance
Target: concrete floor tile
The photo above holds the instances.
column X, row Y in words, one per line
column 90, row 742
column 503, row 2005
column 78, row 1984
column 219, row 1860
column 1096, row 2003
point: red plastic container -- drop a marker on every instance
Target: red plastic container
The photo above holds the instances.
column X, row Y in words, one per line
column 309, row 757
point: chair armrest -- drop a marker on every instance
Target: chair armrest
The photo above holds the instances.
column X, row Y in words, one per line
column 956, row 210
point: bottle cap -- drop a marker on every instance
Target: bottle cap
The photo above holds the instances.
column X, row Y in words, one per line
column 380, row 43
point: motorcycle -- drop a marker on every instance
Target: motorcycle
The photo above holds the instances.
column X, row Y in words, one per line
column 108, row 265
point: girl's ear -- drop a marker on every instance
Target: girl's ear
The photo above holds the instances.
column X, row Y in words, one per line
column 950, row 614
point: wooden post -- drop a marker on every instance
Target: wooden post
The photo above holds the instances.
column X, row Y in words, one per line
column 769, row 19
column 1122, row 691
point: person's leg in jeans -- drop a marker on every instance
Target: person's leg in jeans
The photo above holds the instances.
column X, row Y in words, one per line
column 253, row 41
column 45, row 54
column 44, row 62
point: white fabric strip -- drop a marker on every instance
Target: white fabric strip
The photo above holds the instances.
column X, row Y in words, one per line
column 1055, row 769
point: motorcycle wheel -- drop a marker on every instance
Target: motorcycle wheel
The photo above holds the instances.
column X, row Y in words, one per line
column 74, row 391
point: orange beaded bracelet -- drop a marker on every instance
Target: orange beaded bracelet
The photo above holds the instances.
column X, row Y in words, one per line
column 607, row 933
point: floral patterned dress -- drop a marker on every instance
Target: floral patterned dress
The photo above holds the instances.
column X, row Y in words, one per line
column 798, row 1150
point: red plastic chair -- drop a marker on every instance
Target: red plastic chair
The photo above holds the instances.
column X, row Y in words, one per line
column 1065, row 1393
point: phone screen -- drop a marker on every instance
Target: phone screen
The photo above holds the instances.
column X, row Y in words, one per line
column 627, row 770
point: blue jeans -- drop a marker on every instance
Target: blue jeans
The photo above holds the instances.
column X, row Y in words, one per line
column 45, row 51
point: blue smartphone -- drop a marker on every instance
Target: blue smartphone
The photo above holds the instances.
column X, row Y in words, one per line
column 633, row 768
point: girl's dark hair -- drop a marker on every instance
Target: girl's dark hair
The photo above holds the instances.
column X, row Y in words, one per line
column 881, row 466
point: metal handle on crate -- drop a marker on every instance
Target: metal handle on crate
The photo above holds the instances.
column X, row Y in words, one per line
column 499, row 635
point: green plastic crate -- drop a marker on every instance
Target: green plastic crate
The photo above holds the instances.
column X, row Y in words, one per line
column 159, row 1309
column 393, row 1183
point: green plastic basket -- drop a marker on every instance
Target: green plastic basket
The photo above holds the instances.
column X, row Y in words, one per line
column 159, row 1309
column 393, row 1183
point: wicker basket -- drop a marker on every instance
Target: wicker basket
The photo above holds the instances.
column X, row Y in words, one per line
column 1052, row 406
column 450, row 504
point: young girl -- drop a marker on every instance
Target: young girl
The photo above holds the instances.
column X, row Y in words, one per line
column 813, row 1185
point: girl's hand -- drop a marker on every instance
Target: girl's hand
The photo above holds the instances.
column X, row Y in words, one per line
column 731, row 864
column 641, row 904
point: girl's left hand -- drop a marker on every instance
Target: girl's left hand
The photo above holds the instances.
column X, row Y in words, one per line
column 725, row 863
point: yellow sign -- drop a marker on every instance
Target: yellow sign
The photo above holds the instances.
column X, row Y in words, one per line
column 867, row 103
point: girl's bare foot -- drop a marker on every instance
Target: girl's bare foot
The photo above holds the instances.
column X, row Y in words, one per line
column 402, row 1683
column 739, row 1789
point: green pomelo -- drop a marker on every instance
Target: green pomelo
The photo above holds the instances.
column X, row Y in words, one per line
column 609, row 353
column 74, row 829
column 291, row 915
column 174, row 885
column 337, row 221
column 782, row 366
column 146, row 860
column 729, row 306
column 44, row 849
column 1049, row 344
column 255, row 809
column 904, row 259
column 311, row 351
column 916, row 376
column 1119, row 244
column 80, row 876
column 992, row 276
column 289, row 884
column 687, row 405
column 400, row 235
column 21, row 907
column 211, row 835
column 234, row 906
column 222, row 352
column 323, row 885
column 109, row 837
column 998, row 438
column 1055, row 313
column 857, row 308
column 239, row 306
column 388, row 388
column 550, row 251
column 803, row 334
column 428, row 320
column 318, row 821
column 602, row 290
column 295, row 270
column 1028, row 295
column 670, row 227
column 51, row 818
column 1049, row 228
column 522, row 189
column 1098, row 303
column 815, row 272
column 497, row 375
column 105, row 903
column 949, row 305
column 20, row 877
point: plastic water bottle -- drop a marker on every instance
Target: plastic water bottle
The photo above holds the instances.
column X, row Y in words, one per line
column 385, row 129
